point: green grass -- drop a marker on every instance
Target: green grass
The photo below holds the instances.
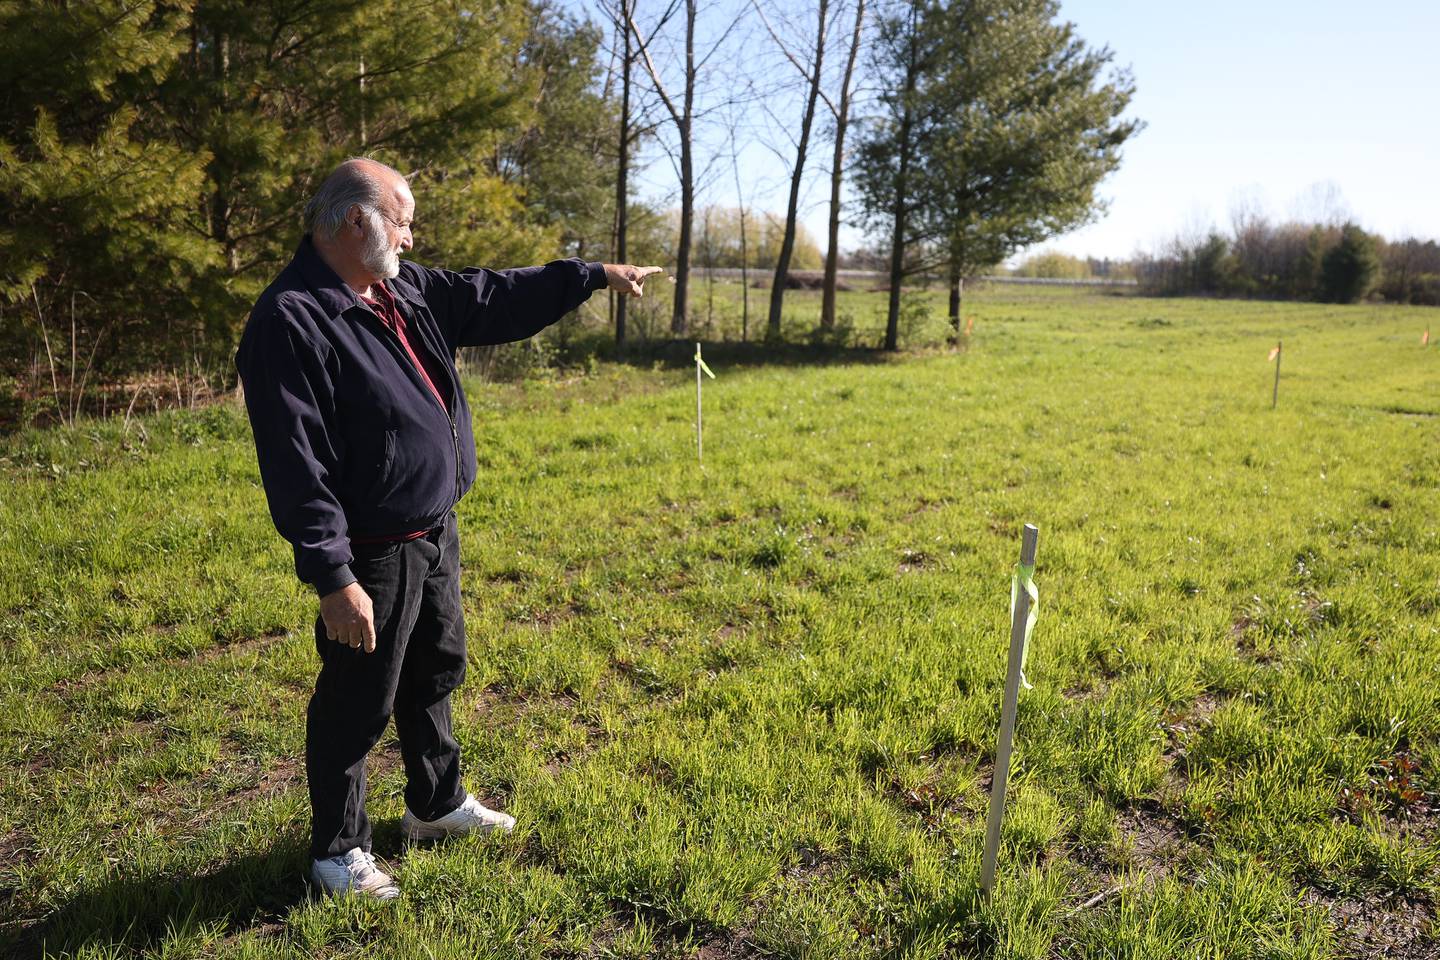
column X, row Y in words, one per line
column 752, row 707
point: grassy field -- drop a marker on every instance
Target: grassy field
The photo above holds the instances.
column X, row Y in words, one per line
column 750, row 709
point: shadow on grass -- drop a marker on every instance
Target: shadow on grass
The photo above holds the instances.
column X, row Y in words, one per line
column 677, row 354
column 138, row 912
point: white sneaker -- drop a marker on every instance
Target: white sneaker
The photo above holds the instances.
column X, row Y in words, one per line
column 355, row 872
column 470, row 817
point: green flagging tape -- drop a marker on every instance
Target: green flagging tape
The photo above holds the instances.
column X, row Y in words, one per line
column 702, row 362
column 1023, row 578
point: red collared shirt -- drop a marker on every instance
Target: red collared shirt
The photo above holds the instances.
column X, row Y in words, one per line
column 384, row 306
column 390, row 315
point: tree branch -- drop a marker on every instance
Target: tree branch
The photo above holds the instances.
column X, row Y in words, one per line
column 654, row 74
column 804, row 71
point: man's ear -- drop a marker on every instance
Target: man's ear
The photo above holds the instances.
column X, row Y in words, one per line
column 354, row 215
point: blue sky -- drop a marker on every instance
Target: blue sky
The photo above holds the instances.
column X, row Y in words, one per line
column 1266, row 99
column 1274, row 102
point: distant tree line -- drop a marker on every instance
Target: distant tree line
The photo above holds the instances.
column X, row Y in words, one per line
column 1053, row 265
column 721, row 242
column 1334, row 263
column 1330, row 262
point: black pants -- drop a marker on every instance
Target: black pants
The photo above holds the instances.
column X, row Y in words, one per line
column 419, row 659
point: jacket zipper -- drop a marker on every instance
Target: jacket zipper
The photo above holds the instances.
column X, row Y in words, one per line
column 454, row 389
column 449, row 411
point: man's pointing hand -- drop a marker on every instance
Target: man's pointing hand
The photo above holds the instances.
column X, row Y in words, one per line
column 627, row 279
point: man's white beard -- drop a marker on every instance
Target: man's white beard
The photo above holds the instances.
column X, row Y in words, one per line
column 378, row 256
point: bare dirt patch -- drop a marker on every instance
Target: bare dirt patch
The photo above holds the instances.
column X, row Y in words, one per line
column 1398, row 789
column 912, row 560
column 1400, row 928
column 287, row 775
column 730, row 945
column 502, row 706
column 235, row 648
column 1086, row 690
column 811, row 864
column 925, row 504
column 1152, row 842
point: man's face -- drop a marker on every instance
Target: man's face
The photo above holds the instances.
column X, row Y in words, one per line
column 387, row 232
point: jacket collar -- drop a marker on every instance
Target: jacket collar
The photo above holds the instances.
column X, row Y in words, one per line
column 403, row 289
column 333, row 294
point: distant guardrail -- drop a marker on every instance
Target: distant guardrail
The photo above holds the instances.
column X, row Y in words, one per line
column 1060, row 282
column 876, row 276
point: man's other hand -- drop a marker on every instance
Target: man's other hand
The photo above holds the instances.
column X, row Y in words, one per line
column 627, row 279
column 349, row 617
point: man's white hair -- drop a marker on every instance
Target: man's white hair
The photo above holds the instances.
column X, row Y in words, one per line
column 357, row 181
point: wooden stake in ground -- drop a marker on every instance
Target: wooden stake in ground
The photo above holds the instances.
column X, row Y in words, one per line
column 699, row 435
column 1023, row 592
column 1275, row 359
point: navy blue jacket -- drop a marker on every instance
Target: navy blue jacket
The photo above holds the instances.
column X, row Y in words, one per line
column 350, row 440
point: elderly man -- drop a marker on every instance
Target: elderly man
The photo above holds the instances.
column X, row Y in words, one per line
column 363, row 436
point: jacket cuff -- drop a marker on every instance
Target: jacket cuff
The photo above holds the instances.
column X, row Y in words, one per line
column 334, row 579
column 596, row 280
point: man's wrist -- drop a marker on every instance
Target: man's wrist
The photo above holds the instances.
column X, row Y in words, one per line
column 337, row 578
column 599, row 277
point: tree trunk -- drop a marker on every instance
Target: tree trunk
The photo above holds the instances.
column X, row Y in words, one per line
column 709, row 243
column 897, row 233
column 679, row 321
column 744, row 279
column 744, row 248
column 957, row 287
column 787, row 243
column 897, row 260
column 220, row 209
column 902, row 171
column 364, row 133
column 837, row 167
column 622, row 205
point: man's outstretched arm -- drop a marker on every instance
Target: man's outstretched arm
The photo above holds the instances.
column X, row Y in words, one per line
column 478, row 306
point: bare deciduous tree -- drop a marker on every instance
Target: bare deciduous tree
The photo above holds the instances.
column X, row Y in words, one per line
column 812, row 71
column 837, row 170
column 621, row 16
column 683, row 116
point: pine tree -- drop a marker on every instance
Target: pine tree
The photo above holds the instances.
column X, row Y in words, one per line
column 155, row 157
column 95, row 213
column 277, row 95
column 892, row 141
column 1026, row 127
column 552, row 157
column 997, row 130
column 1350, row 270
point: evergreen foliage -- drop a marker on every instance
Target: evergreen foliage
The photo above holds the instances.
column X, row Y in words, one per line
column 553, row 161
column 96, row 210
column 154, row 157
column 1350, row 270
column 1027, row 127
column 1009, row 127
